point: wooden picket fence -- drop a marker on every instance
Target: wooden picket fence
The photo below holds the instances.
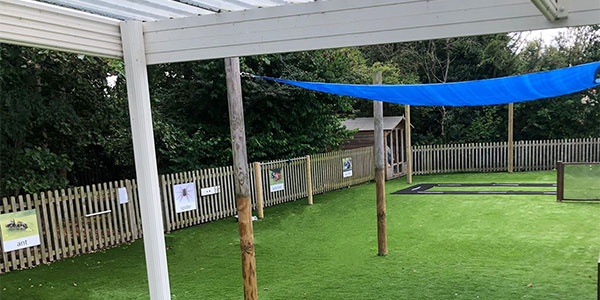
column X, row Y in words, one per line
column 493, row 157
column 71, row 222
column 86, row 219
column 327, row 175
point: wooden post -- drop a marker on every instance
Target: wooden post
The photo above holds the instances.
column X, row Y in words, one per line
column 379, row 171
column 560, row 180
column 140, row 113
column 598, row 280
column 259, row 191
column 309, row 181
column 510, row 137
column 408, row 144
column 241, row 176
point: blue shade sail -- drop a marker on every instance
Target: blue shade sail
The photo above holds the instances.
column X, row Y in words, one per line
column 469, row 93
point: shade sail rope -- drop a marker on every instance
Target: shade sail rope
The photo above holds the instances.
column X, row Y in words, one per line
column 502, row 90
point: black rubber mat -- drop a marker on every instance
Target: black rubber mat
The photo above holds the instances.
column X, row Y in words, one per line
column 424, row 188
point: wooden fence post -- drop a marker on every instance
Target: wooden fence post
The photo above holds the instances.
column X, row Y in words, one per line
column 258, row 189
column 241, row 176
column 598, row 280
column 408, row 144
column 560, row 177
column 379, row 152
column 510, row 137
column 309, row 181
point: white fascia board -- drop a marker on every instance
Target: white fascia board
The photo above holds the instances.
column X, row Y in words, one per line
column 36, row 24
column 335, row 23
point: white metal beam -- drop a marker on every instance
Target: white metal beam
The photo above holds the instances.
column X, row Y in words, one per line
column 138, row 96
column 332, row 24
column 35, row 24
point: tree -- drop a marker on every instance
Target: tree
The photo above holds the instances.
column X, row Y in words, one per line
column 450, row 60
column 56, row 117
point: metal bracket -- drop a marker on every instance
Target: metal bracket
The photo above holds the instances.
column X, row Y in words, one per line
column 553, row 10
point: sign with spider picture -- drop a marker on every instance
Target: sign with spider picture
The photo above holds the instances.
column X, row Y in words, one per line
column 276, row 180
column 19, row 230
column 347, row 167
column 185, row 197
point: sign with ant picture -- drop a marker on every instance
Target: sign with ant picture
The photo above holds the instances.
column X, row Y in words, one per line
column 185, row 197
column 276, row 180
column 347, row 167
column 19, row 230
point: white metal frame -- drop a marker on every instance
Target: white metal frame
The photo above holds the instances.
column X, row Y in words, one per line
column 283, row 28
column 140, row 113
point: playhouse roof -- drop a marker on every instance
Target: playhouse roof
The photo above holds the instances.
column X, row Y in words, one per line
column 367, row 124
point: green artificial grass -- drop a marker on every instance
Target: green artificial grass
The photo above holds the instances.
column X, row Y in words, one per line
column 440, row 247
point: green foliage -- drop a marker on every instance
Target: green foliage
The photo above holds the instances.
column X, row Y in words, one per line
column 480, row 57
column 36, row 170
column 57, row 111
column 62, row 106
column 191, row 114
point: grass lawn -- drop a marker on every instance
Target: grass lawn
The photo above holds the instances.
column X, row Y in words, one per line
column 440, row 247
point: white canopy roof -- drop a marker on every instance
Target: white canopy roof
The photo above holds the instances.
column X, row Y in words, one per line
column 183, row 30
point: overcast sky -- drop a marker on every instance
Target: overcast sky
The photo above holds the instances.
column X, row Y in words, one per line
column 547, row 35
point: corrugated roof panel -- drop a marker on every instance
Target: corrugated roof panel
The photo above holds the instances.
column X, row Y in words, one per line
column 31, row 23
column 367, row 124
column 152, row 10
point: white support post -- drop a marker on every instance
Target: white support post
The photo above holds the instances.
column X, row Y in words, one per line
column 146, row 170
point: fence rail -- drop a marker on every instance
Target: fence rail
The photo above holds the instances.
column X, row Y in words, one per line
column 493, row 157
column 86, row 219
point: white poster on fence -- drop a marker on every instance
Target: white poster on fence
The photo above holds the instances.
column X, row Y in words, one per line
column 347, row 167
column 19, row 230
column 122, row 195
column 185, row 197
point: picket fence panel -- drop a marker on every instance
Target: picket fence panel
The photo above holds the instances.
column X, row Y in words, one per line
column 89, row 218
column 69, row 224
column 493, row 157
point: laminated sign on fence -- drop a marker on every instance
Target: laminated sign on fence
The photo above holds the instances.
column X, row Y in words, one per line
column 210, row 190
column 276, row 180
column 19, row 230
column 347, row 167
column 122, row 195
column 185, row 196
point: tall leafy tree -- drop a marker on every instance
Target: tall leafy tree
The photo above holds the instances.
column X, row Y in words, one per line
column 57, row 111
